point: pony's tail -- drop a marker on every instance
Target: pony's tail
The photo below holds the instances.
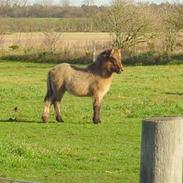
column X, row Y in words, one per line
column 50, row 90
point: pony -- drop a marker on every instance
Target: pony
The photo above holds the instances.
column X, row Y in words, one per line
column 94, row 81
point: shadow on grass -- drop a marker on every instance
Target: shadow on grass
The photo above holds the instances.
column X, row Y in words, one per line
column 14, row 120
column 174, row 93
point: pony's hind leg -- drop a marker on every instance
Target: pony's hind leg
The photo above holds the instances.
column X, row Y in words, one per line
column 48, row 100
column 46, row 110
column 56, row 104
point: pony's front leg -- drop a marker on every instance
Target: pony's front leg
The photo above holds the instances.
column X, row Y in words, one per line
column 96, row 110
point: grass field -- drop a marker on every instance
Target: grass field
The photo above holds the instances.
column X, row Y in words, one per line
column 69, row 45
column 35, row 39
column 79, row 151
column 74, row 46
column 45, row 24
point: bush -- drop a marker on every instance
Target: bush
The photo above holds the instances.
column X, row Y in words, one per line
column 14, row 47
column 148, row 58
column 49, row 57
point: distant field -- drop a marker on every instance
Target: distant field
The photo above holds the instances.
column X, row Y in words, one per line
column 65, row 35
column 79, row 151
column 46, row 24
column 77, row 34
column 36, row 39
column 78, row 43
column 75, row 42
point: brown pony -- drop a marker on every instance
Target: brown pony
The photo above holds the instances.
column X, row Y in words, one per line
column 94, row 80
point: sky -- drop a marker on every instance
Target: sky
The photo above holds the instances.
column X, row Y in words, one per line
column 99, row 2
column 107, row 2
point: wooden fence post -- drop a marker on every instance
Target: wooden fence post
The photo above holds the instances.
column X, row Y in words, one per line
column 94, row 51
column 162, row 150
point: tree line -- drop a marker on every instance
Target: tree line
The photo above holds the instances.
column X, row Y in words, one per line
column 46, row 9
column 127, row 21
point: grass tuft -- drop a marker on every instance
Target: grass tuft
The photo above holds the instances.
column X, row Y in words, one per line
column 78, row 151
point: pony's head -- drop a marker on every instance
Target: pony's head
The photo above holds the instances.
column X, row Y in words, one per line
column 111, row 61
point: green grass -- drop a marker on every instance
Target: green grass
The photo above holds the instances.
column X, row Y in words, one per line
column 46, row 24
column 79, row 151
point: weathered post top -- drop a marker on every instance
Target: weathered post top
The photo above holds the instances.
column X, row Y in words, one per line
column 162, row 150
column 164, row 119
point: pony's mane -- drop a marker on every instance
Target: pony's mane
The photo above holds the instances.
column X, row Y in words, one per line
column 103, row 55
column 95, row 67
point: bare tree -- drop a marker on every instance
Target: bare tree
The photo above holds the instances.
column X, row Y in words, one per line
column 50, row 41
column 125, row 22
column 22, row 2
column 175, row 16
column 88, row 2
column 65, row 3
column 46, row 3
column 2, row 39
column 14, row 2
column 173, row 23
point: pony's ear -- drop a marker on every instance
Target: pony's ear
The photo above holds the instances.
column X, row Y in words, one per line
column 107, row 53
column 115, row 52
column 111, row 52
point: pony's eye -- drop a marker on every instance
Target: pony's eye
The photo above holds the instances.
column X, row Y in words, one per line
column 113, row 61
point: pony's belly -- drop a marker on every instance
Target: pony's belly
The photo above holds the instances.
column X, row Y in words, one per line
column 78, row 89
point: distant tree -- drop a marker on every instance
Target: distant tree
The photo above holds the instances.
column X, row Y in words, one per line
column 89, row 8
column 173, row 23
column 12, row 3
column 88, row 2
column 65, row 3
column 125, row 21
column 47, row 2
column 175, row 16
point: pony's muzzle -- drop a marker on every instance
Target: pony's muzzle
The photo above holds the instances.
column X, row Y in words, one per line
column 120, row 71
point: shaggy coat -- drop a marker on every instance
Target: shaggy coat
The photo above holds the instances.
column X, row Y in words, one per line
column 94, row 81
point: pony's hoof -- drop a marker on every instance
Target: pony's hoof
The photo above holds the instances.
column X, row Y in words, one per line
column 44, row 119
column 96, row 121
column 59, row 119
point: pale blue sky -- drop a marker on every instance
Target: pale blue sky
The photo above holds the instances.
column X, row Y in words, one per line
column 107, row 2
column 97, row 2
